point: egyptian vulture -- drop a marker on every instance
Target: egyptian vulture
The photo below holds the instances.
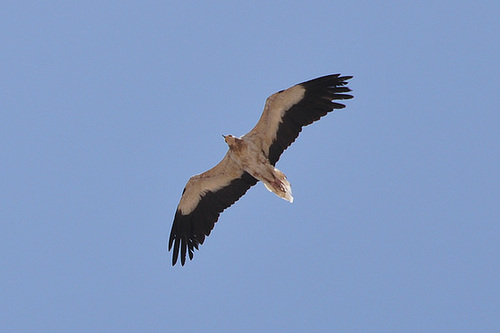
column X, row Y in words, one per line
column 251, row 158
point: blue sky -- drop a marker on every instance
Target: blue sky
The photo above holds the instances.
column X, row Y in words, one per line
column 107, row 108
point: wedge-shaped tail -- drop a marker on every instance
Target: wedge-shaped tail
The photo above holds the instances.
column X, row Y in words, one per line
column 280, row 186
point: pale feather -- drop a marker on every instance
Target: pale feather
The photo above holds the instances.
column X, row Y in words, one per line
column 266, row 129
column 212, row 180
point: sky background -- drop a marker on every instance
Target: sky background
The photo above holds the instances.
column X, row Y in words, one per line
column 108, row 107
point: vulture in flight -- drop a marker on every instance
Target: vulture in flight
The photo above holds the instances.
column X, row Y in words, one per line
column 251, row 158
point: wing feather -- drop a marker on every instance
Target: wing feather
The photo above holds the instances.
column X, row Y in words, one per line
column 205, row 196
column 286, row 112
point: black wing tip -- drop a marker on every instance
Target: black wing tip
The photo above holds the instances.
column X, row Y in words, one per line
column 178, row 240
column 345, row 78
column 185, row 248
column 331, row 87
column 334, row 81
column 183, row 239
column 337, row 77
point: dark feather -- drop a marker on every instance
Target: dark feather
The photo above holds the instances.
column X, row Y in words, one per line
column 188, row 231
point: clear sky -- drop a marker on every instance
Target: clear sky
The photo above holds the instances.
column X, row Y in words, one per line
column 108, row 107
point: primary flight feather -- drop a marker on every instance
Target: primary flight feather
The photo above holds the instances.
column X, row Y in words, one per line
column 252, row 158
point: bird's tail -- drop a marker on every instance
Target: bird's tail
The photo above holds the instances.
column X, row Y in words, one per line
column 280, row 186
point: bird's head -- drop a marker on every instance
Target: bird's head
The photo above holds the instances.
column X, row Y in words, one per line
column 231, row 140
column 228, row 138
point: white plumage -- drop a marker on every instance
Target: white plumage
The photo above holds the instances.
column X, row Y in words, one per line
column 252, row 158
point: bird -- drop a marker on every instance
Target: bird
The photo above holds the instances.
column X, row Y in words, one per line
column 252, row 158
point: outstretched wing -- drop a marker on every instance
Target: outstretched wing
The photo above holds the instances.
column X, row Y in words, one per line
column 287, row 111
column 205, row 196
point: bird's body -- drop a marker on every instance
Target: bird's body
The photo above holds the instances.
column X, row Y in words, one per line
column 252, row 158
column 245, row 153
